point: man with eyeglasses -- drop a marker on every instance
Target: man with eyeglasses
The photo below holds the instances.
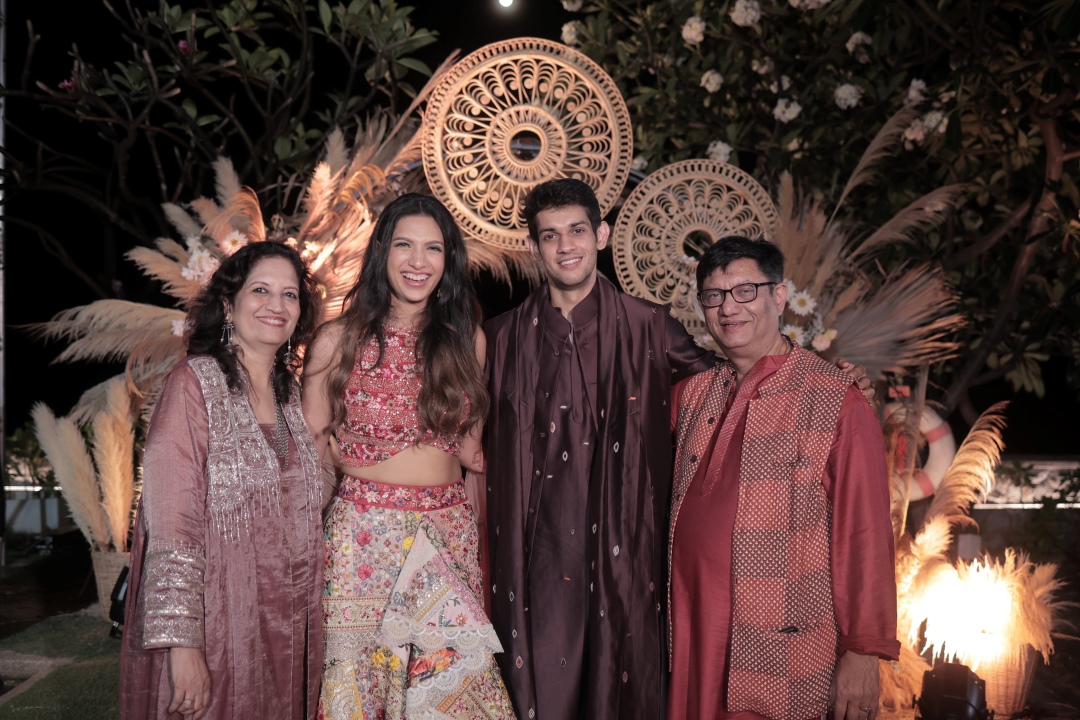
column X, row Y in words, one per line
column 781, row 584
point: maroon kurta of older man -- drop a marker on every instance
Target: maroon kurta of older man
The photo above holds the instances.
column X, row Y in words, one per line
column 863, row 589
column 579, row 481
column 246, row 591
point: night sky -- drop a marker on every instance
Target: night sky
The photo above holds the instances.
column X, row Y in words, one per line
column 36, row 287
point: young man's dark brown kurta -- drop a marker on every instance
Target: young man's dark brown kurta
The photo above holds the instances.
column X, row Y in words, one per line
column 579, row 481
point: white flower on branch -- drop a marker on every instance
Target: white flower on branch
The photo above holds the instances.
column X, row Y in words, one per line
column 847, row 95
column 935, row 120
column 745, row 13
column 572, row 5
column 693, row 30
column 711, row 80
column 639, row 163
column 857, row 39
column 719, row 151
column 762, row 67
column 784, row 84
column 856, row 46
column 786, row 110
column 570, row 33
column 916, row 92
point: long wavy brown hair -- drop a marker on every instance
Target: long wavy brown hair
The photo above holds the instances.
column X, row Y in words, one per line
column 445, row 350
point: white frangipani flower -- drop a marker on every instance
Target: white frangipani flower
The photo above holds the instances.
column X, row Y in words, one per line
column 639, row 163
column 570, row 33
column 786, row 110
column 935, row 120
column 785, row 82
column 711, row 80
column 745, row 13
column 847, row 95
column 693, row 30
column 762, row 67
column 857, row 39
column 572, row 5
column 915, row 92
column 802, row 303
column 719, row 151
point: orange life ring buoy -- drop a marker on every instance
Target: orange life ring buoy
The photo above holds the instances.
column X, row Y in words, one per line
column 941, row 446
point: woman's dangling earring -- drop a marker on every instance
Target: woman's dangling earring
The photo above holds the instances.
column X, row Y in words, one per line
column 288, row 358
column 227, row 331
column 438, row 292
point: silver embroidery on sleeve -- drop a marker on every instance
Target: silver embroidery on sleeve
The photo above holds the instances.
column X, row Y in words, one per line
column 172, row 604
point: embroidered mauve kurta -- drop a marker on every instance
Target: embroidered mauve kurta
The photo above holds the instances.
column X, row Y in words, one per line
column 249, row 600
column 579, row 479
column 864, row 597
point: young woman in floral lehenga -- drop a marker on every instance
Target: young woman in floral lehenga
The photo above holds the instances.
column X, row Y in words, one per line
column 397, row 379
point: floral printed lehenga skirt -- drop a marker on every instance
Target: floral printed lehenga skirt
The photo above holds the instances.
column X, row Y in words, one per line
column 404, row 629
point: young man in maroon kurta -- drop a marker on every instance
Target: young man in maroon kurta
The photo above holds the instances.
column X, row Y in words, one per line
column 782, row 593
column 579, row 476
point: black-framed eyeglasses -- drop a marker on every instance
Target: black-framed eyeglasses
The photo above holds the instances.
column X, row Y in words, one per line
column 714, row 297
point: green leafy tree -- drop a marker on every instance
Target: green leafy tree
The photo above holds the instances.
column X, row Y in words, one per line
column 260, row 81
column 802, row 85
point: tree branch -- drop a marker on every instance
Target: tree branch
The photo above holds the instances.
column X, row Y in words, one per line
column 1039, row 224
column 990, row 239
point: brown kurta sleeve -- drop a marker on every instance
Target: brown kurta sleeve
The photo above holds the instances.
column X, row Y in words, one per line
column 863, row 576
column 173, row 513
column 685, row 356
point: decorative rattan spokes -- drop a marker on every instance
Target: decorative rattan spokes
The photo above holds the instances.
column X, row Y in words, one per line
column 672, row 217
column 512, row 115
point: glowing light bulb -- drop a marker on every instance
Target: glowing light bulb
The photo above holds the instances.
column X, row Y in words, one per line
column 506, row 3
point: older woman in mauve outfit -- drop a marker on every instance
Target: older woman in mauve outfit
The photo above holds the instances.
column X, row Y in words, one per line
column 226, row 563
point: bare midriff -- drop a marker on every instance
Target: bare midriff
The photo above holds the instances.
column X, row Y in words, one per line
column 419, row 465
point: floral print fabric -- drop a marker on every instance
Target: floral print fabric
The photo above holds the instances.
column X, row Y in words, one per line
column 405, row 634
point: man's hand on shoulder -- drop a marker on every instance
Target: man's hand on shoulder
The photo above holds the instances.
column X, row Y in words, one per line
column 855, row 687
column 858, row 374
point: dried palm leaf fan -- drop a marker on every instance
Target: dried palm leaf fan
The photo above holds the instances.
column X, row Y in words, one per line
column 512, row 115
column 669, row 220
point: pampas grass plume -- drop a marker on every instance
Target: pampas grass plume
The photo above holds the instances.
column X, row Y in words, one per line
column 64, row 446
column 114, row 454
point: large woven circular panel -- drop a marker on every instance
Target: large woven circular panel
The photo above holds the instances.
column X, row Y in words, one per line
column 512, row 115
column 672, row 217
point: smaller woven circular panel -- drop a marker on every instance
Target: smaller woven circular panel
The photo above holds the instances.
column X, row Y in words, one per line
column 672, row 217
column 512, row 115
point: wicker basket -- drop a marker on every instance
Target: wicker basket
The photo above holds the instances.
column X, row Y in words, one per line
column 107, row 568
column 1008, row 684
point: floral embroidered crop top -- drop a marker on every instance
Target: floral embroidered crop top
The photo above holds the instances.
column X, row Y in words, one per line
column 380, row 404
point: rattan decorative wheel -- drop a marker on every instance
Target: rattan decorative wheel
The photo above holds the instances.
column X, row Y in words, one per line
column 512, row 115
column 672, row 217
